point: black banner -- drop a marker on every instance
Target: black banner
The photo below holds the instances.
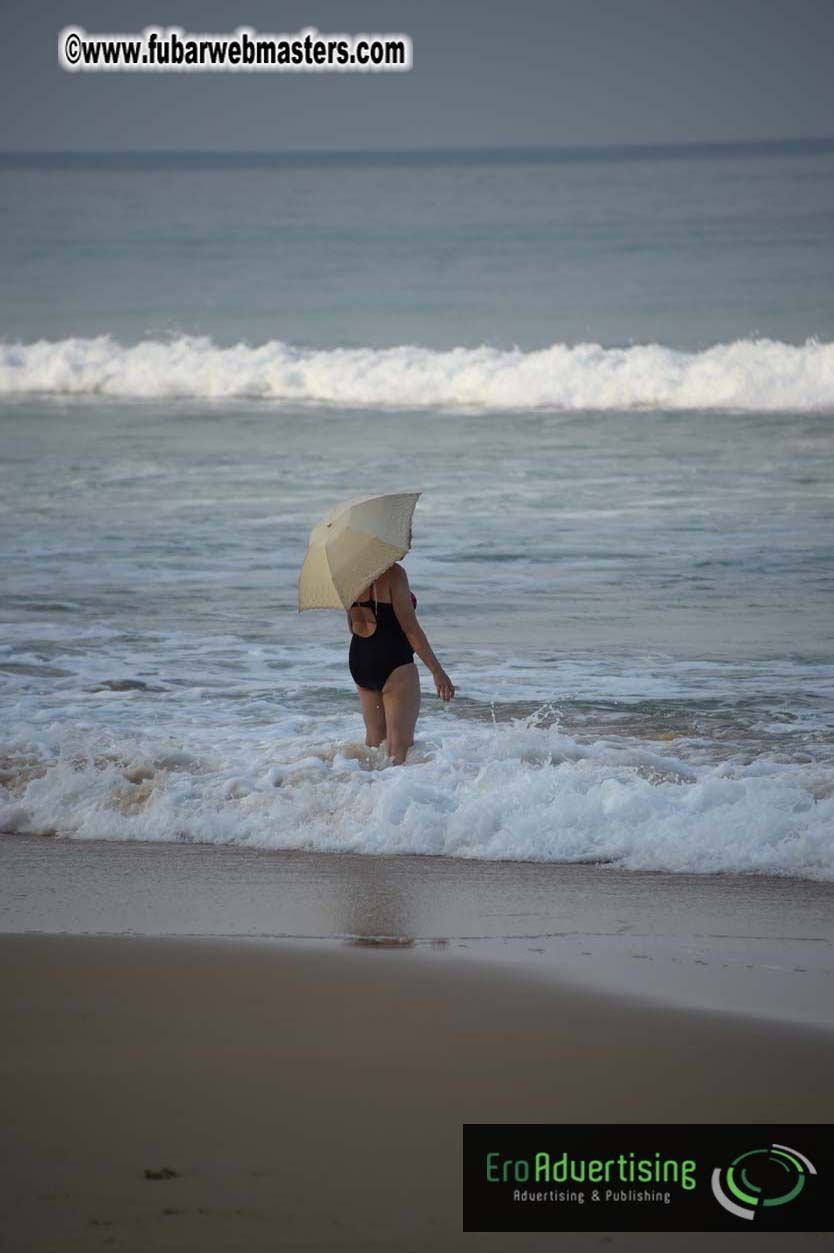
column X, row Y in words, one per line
column 648, row 1177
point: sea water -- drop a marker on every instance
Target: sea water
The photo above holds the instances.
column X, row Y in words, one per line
column 612, row 377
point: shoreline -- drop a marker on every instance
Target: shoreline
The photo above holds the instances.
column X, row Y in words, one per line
column 747, row 945
column 312, row 1097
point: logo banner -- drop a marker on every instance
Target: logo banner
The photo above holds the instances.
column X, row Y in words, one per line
column 648, row 1177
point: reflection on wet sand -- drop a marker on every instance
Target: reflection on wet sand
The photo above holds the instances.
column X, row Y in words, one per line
column 375, row 912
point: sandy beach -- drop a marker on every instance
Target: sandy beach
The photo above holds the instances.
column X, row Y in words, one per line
column 314, row 1099
column 309, row 1093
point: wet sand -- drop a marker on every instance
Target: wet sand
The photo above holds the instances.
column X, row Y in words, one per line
column 311, row 1096
column 753, row 944
column 300, row 1037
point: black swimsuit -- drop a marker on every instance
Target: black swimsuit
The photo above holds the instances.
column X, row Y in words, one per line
column 372, row 658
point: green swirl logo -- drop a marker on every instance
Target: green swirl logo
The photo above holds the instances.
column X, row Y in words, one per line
column 761, row 1178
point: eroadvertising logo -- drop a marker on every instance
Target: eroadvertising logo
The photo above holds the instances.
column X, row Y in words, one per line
column 761, row 1177
column 647, row 1177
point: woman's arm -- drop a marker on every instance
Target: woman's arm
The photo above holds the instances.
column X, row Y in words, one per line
column 414, row 633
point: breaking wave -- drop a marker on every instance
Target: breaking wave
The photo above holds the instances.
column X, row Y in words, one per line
column 747, row 375
column 517, row 791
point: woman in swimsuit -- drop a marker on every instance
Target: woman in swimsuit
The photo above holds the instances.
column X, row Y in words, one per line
column 385, row 635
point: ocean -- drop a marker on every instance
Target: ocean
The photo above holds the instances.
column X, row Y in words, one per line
column 611, row 375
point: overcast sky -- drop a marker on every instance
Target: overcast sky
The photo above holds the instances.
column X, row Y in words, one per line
column 486, row 73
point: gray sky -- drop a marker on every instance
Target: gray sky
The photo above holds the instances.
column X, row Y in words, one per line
column 529, row 72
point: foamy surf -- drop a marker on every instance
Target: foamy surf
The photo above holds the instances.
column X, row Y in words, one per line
column 513, row 791
column 746, row 375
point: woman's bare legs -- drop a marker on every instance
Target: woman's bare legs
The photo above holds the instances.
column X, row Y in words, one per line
column 401, row 699
column 373, row 711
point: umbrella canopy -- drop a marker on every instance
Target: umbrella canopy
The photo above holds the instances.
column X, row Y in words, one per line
column 351, row 547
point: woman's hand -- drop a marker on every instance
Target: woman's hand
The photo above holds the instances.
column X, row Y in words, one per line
column 445, row 686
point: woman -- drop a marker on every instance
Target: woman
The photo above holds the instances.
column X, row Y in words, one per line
column 385, row 637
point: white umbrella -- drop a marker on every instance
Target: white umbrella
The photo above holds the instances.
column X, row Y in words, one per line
column 351, row 547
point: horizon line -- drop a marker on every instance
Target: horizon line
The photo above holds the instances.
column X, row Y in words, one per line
column 822, row 142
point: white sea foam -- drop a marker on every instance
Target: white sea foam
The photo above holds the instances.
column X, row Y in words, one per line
column 511, row 791
column 748, row 374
